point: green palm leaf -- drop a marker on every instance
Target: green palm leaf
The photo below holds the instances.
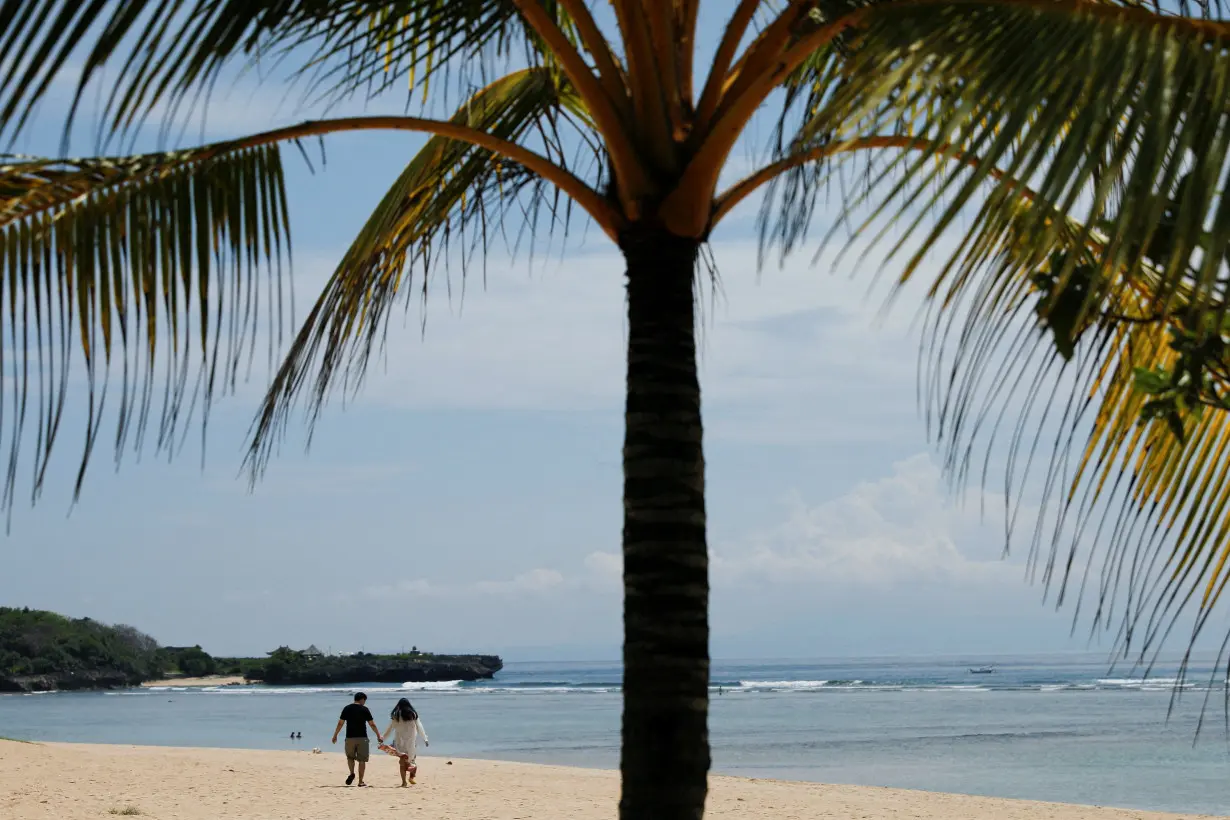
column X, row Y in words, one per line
column 172, row 50
column 1148, row 485
column 368, row 46
column 165, row 252
column 449, row 188
column 1136, row 149
column 993, row 80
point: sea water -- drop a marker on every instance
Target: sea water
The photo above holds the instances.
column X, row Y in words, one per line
column 1043, row 728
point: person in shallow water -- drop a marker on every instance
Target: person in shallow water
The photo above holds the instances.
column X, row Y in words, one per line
column 356, row 718
column 404, row 728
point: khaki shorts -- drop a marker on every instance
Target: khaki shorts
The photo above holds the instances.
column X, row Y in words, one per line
column 358, row 749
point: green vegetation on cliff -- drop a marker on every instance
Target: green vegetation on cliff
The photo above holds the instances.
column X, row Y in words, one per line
column 43, row 650
column 286, row 665
column 190, row 661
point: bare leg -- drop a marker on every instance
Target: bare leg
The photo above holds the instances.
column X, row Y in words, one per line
column 405, row 766
column 362, row 769
column 350, row 763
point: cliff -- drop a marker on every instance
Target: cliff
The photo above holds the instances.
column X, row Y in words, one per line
column 288, row 667
column 41, row 650
column 69, row 681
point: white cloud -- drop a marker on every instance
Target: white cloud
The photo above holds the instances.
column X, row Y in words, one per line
column 606, row 567
column 531, row 583
column 891, row 562
column 534, row 581
column 795, row 355
column 898, row 529
column 305, row 479
column 902, row 528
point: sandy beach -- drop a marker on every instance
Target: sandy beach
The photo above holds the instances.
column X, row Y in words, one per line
column 75, row 782
column 212, row 680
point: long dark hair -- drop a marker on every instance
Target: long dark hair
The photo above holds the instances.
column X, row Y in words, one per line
column 404, row 711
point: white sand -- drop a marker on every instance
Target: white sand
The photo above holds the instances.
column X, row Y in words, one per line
column 75, row 782
column 212, row 680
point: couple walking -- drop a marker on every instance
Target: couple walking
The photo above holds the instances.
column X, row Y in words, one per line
column 404, row 728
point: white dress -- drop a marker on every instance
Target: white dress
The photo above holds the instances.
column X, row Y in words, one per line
column 405, row 741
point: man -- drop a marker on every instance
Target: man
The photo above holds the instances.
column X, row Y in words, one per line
column 356, row 718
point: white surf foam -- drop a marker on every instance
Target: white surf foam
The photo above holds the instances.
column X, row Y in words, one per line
column 431, row 686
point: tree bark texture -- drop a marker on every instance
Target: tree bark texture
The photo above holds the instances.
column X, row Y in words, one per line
column 665, row 754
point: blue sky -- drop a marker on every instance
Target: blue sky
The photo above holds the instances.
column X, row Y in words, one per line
column 469, row 498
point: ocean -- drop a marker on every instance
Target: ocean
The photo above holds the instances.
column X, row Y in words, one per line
column 1060, row 728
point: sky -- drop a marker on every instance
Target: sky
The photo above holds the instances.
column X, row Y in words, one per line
column 468, row 498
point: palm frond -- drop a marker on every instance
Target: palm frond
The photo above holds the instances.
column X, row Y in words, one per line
column 1133, row 487
column 1090, row 199
column 112, row 268
column 370, row 47
column 176, row 46
column 1033, row 91
column 173, row 50
column 451, row 196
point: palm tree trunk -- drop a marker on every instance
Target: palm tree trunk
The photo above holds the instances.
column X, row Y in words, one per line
column 665, row 756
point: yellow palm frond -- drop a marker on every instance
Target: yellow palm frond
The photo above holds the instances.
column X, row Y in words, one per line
column 1085, row 152
column 1138, row 490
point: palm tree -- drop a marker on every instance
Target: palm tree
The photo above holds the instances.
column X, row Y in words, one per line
column 1007, row 119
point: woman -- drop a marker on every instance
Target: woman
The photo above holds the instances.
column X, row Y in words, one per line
column 408, row 726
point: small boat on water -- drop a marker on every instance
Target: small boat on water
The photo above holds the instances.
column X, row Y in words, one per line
column 981, row 670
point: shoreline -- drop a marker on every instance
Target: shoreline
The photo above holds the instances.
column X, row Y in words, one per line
column 66, row 781
column 211, row 680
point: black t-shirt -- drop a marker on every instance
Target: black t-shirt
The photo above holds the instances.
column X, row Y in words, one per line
column 356, row 716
